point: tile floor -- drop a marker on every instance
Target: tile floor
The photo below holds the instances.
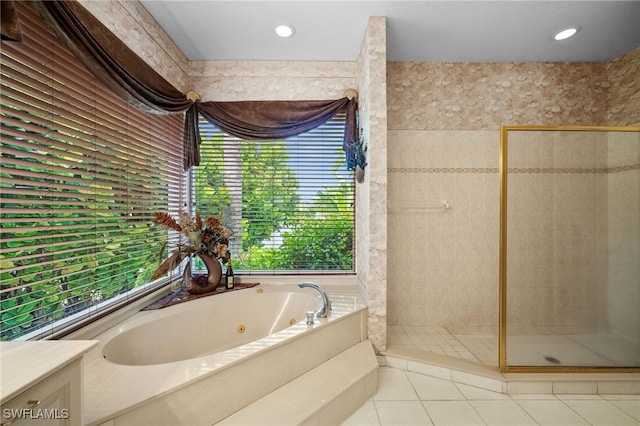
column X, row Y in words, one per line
column 410, row 398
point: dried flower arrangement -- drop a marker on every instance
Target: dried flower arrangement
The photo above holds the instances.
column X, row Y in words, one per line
column 205, row 238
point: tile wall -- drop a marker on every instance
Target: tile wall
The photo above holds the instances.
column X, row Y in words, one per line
column 442, row 263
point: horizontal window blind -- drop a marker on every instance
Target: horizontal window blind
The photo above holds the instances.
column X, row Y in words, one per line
column 82, row 174
column 289, row 204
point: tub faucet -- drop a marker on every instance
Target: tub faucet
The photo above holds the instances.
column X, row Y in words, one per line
column 326, row 303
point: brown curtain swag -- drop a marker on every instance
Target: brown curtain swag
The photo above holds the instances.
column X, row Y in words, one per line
column 109, row 59
column 192, row 141
column 271, row 120
column 120, row 69
column 9, row 23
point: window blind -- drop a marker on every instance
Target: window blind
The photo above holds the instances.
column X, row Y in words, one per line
column 289, row 204
column 82, row 174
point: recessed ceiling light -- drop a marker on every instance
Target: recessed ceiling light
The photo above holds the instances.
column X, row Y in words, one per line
column 565, row 34
column 285, row 31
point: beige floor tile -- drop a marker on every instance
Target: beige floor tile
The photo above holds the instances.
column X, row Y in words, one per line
column 630, row 406
column 411, row 398
column 364, row 416
column 402, row 413
column 433, row 389
column 502, row 413
column 601, row 412
column 452, row 413
column 393, row 385
column 550, row 412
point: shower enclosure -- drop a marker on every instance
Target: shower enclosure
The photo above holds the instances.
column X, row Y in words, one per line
column 569, row 249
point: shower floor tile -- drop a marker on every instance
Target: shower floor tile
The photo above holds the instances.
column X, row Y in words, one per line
column 530, row 350
column 481, row 349
column 573, row 350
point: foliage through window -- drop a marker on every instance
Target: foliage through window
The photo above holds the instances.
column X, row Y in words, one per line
column 289, row 204
column 82, row 174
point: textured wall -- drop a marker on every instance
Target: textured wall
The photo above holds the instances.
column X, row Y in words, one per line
column 371, row 201
column 624, row 92
column 271, row 80
column 481, row 96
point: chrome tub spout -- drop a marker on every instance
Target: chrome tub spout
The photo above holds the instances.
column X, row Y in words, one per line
column 326, row 303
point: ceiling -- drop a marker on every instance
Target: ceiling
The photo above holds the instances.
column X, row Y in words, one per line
column 456, row 31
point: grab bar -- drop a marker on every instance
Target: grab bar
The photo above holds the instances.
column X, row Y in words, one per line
column 443, row 207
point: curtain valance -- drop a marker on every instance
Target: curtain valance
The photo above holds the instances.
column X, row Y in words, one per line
column 119, row 68
column 109, row 59
column 270, row 120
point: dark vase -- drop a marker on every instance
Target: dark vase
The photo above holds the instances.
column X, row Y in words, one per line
column 205, row 283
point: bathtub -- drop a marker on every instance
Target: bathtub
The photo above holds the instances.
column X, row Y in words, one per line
column 200, row 361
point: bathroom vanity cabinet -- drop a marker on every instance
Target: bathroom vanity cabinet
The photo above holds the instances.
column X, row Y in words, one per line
column 42, row 382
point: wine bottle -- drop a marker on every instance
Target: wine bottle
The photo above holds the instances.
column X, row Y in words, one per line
column 229, row 276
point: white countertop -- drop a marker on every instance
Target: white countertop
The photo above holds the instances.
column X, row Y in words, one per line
column 23, row 364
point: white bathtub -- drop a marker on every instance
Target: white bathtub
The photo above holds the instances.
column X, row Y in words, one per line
column 207, row 325
column 199, row 361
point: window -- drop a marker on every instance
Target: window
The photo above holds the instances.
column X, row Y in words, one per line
column 82, row 174
column 289, row 204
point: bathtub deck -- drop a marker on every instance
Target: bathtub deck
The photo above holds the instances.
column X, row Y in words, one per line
column 206, row 389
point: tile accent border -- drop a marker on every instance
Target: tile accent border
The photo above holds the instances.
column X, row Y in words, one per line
column 442, row 170
column 511, row 170
column 572, row 169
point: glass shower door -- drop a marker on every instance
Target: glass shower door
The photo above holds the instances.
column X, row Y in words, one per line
column 570, row 249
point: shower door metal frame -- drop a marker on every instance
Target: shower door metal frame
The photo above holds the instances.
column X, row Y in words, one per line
column 502, row 303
